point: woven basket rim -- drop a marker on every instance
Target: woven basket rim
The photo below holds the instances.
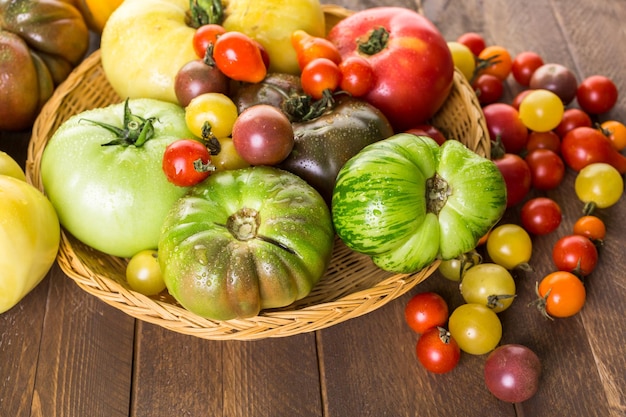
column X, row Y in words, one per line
column 269, row 323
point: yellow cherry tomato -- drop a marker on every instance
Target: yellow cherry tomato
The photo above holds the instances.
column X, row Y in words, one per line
column 463, row 59
column 216, row 109
column 510, row 246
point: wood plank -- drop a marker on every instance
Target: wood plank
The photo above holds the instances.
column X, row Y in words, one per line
column 183, row 375
column 20, row 337
column 85, row 356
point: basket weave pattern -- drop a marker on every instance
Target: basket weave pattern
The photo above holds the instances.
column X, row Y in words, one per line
column 351, row 287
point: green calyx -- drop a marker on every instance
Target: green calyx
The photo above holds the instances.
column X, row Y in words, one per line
column 136, row 130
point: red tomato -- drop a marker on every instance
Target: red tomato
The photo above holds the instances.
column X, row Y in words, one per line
column 205, row 36
column 310, row 47
column 474, row 41
column 585, row 145
column 495, row 60
column 488, row 88
column 517, row 177
column 571, row 119
column 395, row 40
column 517, row 100
column 562, row 294
column 541, row 215
column 187, row 162
column 576, row 254
column 547, row 169
column 544, row 140
column 425, row 311
column 503, row 122
column 430, row 131
column 357, row 76
column 239, row 57
column 596, row 94
column 591, row 227
column 523, row 66
column 437, row 350
column 320, row 75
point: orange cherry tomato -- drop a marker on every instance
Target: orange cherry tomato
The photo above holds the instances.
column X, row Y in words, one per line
column 562, row 294
column 591, row 227
column 239, row 57
column 319, row 75
column 495, row 60
column 616, row 132
column 309, row 47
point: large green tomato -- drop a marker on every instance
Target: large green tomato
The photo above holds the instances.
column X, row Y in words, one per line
column 406, row 201
column 245, row 240
column 29, row 239
column 114, row 197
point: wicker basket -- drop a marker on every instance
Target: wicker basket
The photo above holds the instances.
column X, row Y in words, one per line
column 352, row 286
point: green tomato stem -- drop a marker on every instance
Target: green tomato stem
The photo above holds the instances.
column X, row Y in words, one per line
column 376, row 42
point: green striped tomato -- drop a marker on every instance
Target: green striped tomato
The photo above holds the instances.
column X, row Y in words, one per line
column 406, row 201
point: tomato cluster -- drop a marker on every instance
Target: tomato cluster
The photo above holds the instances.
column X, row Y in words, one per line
column 537, row 138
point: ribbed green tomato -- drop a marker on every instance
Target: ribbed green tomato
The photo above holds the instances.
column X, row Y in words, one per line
column 245, row 240
column 406, row 201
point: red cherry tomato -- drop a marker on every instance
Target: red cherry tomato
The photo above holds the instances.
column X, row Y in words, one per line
column 474, row 41
column 204, row 36
column 430, row 131
column 547, row 169
column 517, row 177
column 517, row 100
column 572, row 118
column 320, row 75
column 576, row 254
column 437, row 350
column 544, row 140
column 596, row 94
column 357, row 76
column 187, row 162
column 488, row 88
column 425, row 311
column 239, row 57
column 503, row 122
column 523, row 66
column 541, row 215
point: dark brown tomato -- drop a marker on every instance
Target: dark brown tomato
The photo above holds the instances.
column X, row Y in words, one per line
column 556, row 78
column 195, row 78
column 273, row 90
column 323, row 145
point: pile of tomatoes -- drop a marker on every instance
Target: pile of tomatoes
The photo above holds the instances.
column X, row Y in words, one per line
column 537, row 138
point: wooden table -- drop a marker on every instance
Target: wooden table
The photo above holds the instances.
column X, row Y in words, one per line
column 63, row 352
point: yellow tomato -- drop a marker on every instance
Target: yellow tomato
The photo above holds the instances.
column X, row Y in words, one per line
column 463, row 59
column 29, row 239
column 143, row 45
column 9, row 167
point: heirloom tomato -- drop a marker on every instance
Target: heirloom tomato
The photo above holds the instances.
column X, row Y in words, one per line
column 599, row 184
column 556, row 78
column 96, row 12
column 40, row 44
column 29, row 239
column 245, row 240
column 412, row 63
column 405, row 201
column 143, row 273
column 9, row 167
column 102, row 172
column 327, row 132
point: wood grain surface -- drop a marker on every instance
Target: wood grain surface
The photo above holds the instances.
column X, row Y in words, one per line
column 65, row 353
